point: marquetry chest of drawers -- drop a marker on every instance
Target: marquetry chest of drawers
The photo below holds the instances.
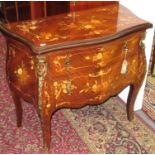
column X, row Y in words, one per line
column 72, row 60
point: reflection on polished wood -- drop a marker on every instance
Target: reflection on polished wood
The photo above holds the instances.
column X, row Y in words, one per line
column 52, row 32
column 71, row 61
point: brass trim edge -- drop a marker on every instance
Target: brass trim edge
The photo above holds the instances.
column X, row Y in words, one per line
column 41, row 70
column 141, row 43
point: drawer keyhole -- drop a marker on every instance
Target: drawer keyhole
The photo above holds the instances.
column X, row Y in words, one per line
column 69, row 88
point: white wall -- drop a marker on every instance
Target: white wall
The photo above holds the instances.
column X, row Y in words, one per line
column 144, row 9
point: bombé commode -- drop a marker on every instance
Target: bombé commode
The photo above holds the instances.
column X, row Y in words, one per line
column 71, row 61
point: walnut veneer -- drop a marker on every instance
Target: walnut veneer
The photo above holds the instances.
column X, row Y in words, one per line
column 72, row 60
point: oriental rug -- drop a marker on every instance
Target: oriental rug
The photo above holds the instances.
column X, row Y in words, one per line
column 149, row 98
column 92, row 129
column 149, row 95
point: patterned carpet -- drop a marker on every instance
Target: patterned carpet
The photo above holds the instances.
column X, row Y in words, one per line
column 149, row 95
column 105, row 129
column 92, row 129
column 149, row 98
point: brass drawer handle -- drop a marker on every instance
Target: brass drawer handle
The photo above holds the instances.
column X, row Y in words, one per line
column 126, row 47
column 141, row 43
column 124, row 66
column 68, row 63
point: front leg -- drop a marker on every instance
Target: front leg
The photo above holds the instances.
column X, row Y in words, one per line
column 46, row 131
column 44, row 110
column 134, row 88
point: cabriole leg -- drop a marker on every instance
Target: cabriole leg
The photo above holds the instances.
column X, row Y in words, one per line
column 18, row 106
column 46, row 131
column 134, row 88
column 130, row 102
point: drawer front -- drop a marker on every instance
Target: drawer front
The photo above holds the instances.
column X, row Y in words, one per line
column 94, row 87
column 91, row 58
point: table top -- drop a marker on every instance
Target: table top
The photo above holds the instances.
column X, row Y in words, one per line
column 76, row 28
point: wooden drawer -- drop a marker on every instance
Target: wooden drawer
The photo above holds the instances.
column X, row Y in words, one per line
column 92, row 87
column 87, row 59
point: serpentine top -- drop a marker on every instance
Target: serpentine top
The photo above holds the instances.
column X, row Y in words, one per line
column 76, row 28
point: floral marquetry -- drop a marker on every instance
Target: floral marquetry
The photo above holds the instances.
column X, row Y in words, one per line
column 65, row 28
column 65, row 86
column 22, row 74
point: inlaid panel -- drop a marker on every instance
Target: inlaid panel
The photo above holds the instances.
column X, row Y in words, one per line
column 88, row 59
column 79, row 28
column 93, row 87
column 21, row 68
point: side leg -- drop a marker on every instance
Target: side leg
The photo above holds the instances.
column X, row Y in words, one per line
column 134, row 88
column 18, row 106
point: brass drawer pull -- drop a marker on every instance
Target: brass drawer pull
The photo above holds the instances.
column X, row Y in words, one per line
column 124, row 68
column 141, row 43
column 126, row 47
column 68, row 63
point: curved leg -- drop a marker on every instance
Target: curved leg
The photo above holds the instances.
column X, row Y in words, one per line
column 18, row 106
column 134, row 88
column 46, row 130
